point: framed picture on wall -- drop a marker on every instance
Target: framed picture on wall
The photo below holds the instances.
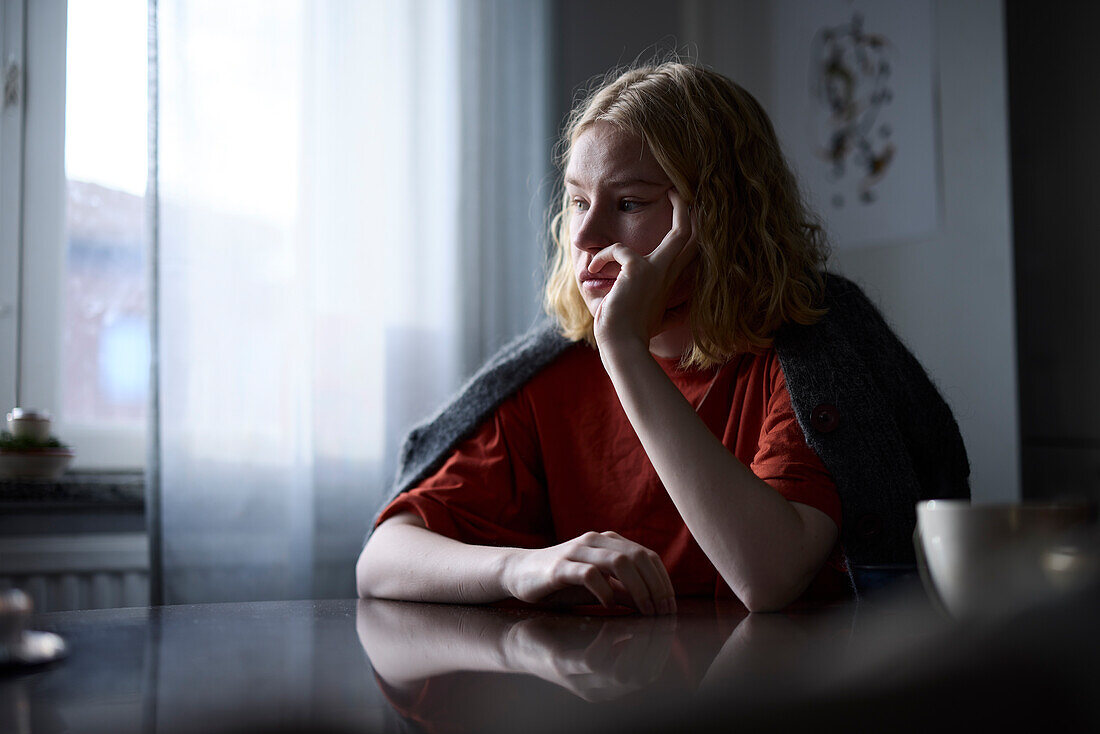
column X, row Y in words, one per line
column 853, row 100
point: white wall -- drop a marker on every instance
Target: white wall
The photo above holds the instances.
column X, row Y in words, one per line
column 950, row 298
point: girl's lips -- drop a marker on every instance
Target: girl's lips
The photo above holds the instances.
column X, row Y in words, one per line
column 597, row 284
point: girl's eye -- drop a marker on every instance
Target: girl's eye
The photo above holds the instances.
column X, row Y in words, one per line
column 580, row 205
column 627, row 205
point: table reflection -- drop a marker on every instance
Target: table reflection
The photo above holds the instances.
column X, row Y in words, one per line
column 379, row 666
column 453, row 668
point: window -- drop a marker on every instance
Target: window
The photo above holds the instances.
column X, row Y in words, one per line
column 74, row 307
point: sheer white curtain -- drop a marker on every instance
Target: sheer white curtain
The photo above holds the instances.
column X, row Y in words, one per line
column 331, row 211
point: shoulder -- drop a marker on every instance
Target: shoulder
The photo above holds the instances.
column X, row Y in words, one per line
column 847, row 310
column 871, row 412
column 512, row 367
column 851, row 336
column 758, row 371
column 516, row 363
column 851, row 358
column 575, row 375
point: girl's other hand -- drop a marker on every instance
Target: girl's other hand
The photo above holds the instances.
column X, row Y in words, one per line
column 610, row 567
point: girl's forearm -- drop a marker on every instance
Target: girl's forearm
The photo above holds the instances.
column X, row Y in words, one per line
column 760, row 543
column 404, row 560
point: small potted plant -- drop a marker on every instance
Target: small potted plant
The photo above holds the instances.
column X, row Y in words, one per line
column 28, row 451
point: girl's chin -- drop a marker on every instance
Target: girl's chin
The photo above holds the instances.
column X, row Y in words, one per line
column 592, row 302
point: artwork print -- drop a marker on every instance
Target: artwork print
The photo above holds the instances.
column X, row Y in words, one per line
column 850, row 82
column 853, row 102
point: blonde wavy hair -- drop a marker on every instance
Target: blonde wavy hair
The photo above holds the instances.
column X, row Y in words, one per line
column 761, row 252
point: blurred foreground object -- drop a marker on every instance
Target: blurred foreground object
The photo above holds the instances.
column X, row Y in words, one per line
column 18, row 645
column 984, row 560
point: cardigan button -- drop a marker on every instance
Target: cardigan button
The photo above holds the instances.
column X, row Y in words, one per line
column 825, row 418
column 868, row 526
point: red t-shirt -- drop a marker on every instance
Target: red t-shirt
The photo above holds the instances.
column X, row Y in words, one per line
column 560, row 458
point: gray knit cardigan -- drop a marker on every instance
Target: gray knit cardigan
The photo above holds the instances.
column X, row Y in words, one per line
column 864, row 403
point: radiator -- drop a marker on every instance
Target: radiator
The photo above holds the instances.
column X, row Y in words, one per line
column 85, row 571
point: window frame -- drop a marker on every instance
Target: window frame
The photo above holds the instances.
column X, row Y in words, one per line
column 12, row 63
column 33, row 235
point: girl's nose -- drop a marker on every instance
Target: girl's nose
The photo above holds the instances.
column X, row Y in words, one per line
column 591, row 231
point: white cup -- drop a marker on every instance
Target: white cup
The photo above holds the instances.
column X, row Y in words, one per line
column 32, row 424
column 986, row 559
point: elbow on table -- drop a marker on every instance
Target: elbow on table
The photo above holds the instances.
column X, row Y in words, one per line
column 366, row 577
column 374, row 570
column 771, row 595
column 362, row 586
column 759, row 603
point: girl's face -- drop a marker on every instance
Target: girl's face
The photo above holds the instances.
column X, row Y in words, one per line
column 618, row 194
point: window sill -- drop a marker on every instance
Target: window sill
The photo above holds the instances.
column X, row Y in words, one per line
column 75, row 491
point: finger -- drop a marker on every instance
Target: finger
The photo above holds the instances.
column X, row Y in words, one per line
column 622, row 594
column 679, row 239
column 669, row 588
column 691, row 247
column 589, row 576
column 655, row 575
column 623, row 566
column 616, row 253
column 658, row 579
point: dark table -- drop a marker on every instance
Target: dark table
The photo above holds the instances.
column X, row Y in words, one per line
column 888, row 663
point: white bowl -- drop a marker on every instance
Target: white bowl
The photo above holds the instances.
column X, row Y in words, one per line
column 978, row 560
column 34, row 463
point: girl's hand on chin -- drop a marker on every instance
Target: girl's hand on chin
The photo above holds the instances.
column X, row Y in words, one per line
column 635, row 307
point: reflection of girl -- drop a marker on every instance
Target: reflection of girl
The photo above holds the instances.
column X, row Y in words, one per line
column 739, row 408
column 450, row 668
